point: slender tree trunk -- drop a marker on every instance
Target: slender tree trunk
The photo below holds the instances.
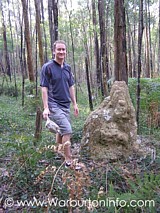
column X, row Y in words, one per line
column 88, row 85
column 150, row 39
column 36, row 64
column 53, row 20
column 158, row 69
column 103, row 47
column 28, row 41
column 22, row 67
column 90, row 46
column 133, row 43
column 14, row 58
column 108, row 74
column 6, row 56
column 38, row 29
column 73, row 51
column 96, row 44
column 55, row 16
column 147, row 70
column 50, row 23
column 129, row 49
column 38, row 124
column 140, row 34
column 44, row 32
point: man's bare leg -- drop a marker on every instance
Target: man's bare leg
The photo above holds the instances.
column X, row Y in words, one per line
column 67, row 147
column 58, row 138
column 61, row 140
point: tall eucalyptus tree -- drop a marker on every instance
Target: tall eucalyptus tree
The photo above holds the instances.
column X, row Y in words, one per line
column 53, row 20
column 6, row 55
column 13, row 58
column 103, row 47
column 44, row 32
column 158, row 70
column 140, row 35
column 28, row 41
column 120, row 56
column 38, row 29
column 72, row 44
column 96, row 44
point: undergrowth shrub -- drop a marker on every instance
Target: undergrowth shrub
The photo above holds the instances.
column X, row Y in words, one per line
column 150, row 93
column 9, row 89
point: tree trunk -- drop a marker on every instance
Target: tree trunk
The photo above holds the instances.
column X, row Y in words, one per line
column 73, row 50
column 50, row 23
column 53, row 20
column 147, row 70
column 103, row 47
column 28, row 42
column 120, row 57
column 140, row 34
column 6, row 56
column 38, row 124
column 55, row 16
column 38, row 29
column 150, row 40
column 134, row 43
column 88, row 85
column 158, row 69
column 96, row 45
column 129, row 49
column 44, row 32
column 13, row 54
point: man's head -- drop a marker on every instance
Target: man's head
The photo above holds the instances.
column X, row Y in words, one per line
column 59, row 50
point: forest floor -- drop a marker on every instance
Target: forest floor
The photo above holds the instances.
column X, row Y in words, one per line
column 33, row 177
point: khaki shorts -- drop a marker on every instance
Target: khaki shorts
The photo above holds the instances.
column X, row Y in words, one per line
column 61, row 117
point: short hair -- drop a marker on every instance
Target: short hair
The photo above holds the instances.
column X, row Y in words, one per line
column 58, row 42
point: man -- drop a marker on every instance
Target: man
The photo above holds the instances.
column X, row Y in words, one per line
column 57, row 85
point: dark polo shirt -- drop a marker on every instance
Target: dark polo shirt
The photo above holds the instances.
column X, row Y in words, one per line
column 58, row 80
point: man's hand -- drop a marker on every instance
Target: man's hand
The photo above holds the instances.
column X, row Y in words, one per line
column 76, row 110
column 46, row 112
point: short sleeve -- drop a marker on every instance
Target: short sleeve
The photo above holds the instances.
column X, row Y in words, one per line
column 44, row 82
column 71, row 79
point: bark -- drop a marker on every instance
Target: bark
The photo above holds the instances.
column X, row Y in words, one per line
column 147, row 70
column 103, row 47
column 44, row 32
column 28, row 41
column 120, row 57
column 6, row 55
column 55, row 18
column 130, row 71
column 140, row 34
column 50, row 22
column 38, row 124
column 150, row 40
column 96, row 45
column 38, row 29
column 13, row 54
column 73, row 49
column 133, row 44
column 158, row 69
column 88, row 85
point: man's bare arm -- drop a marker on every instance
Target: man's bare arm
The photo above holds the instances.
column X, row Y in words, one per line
column 45, row 102
column 73, row 99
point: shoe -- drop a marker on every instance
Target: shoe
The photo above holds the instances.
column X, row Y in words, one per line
column 57, row 157
column 68, row 164
column 78, row 167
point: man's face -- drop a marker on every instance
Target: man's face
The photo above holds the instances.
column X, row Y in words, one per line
column 60, row 51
